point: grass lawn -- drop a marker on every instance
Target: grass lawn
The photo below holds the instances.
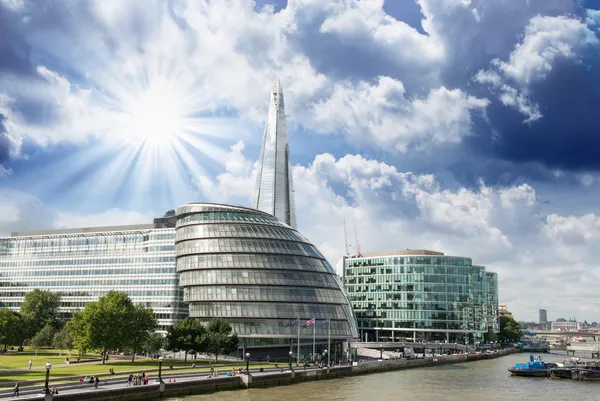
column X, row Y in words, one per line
column 9, row 378
column 21, row 359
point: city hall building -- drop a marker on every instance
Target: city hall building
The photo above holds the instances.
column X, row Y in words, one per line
column 419, row 295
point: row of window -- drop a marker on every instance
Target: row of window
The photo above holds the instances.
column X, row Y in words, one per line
column 57, row 271
column 408, row 278
column 409, row 287
column 408, row 260
column 257, row 277
column 410, row 269
column 416, row 305
column 238, row 231
column 98, row 292
column 270, row 310
column 246, row 327
column 135, row 258
column 227, row 217
column 92, row 282
column 267, row 294
column 252, row 261
column 416, row 324
column 246, row 245
column 408, row 296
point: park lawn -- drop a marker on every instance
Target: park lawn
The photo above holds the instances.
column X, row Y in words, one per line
column 21, row 359
column 9, row 378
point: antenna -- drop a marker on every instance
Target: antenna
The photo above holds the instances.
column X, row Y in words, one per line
column 355, row 236
column 346, row 238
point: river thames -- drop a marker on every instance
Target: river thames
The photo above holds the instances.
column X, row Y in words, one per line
column 474, row 381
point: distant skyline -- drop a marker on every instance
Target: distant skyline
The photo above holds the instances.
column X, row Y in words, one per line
column 466, row 127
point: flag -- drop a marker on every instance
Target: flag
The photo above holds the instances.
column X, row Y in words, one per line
column 309, row 322
column 294, row 322
column 323, row 323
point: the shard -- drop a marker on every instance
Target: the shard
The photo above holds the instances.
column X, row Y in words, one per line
column 274, row 192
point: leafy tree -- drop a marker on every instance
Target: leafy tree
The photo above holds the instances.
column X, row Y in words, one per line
column 141, row 324
column 219, row 339
column 40, row 308
column 62, row 339
column 104, row 324
column 490, row 336
column 187, row 335
column 79, row 333
column 154, row 343
column 11, row 327
column 44, row 337
column 509, row 329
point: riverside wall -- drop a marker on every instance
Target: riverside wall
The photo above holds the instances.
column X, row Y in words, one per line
column 268, row 379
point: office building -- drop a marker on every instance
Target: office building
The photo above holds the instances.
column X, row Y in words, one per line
column 543, row 316
column 264, row 277
column 274, row 188
column 84, row 264
column 420, row 295
column 562, row 325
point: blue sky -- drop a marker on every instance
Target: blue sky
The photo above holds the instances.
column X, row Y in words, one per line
column 468, row 127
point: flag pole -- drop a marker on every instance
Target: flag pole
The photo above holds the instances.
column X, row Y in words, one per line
column 314, row 339
column 298, row 353
column 328, row 343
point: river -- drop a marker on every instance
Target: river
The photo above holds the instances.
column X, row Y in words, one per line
column 486, row 380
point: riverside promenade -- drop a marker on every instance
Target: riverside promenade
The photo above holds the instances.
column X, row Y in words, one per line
column 197, row 383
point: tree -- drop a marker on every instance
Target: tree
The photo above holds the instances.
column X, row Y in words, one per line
column 63, row 340
column 40, row 308
column 490, row 336
column 141, row 324
column 154, row 343
column 11, row 327
column 509, row 329
column 103, row 325
column 219, row 339
column 187, row 335
column 44, row 337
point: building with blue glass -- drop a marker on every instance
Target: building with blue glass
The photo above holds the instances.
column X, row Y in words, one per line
column 419, row 295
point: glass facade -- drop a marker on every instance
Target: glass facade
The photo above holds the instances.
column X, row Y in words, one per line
column 421, row 295
column 274, row 188
column 85, row 264
column 245, row 265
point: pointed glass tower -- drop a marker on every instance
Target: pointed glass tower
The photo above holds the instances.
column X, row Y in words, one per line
column 274, row 192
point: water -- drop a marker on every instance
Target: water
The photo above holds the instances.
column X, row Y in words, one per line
column 486, row 380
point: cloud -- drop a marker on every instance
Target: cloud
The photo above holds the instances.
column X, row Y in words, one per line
column 382, row 114
column 110, row 217
column 20, row 211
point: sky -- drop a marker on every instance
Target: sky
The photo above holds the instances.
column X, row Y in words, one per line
column 468, row 127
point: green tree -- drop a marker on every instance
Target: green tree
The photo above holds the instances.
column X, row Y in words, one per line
column 510, row 330
column 219, row 338
column 44, row 337
column 104, row 325
column 187, row 335
column 154, row 343
column 10, row 327
column 141, row 324
column 62, row 339
column 40, row 308
column 490, row 336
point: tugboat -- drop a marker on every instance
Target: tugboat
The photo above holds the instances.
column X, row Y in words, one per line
column 565, row 370
column 534, row 368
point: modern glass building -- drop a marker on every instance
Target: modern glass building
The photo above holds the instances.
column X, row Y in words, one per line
column 274, row 188
column 264, row 277
column 418, row 295
column 84, row 264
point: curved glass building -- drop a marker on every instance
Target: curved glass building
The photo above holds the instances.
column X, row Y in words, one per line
column 264, row 277
column 421, row 295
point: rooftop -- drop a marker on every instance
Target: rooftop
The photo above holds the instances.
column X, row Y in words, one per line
column 83, row 230
column 410, row 252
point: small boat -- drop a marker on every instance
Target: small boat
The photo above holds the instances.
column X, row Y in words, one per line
column 534, row 368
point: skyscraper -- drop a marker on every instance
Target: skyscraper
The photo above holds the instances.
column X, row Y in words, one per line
column 274, row 192
column 543, row 316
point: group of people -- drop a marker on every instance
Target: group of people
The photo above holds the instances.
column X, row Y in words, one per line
column 138, row 380
column 95, row 380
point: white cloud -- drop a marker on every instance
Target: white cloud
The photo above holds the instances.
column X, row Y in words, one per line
column 383, row 114
column 110, row 217
column 5, row 172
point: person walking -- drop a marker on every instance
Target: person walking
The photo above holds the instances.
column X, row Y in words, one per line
column 16, row 390
column 96, row 382
column 30, row 363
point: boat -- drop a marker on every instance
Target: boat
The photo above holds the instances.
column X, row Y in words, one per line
column 565, row 369
column 532, row 369
column 586, row 374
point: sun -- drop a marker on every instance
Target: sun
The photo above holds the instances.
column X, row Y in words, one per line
column 157, row 113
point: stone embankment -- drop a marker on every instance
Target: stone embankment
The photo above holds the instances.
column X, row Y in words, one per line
column 267, row 379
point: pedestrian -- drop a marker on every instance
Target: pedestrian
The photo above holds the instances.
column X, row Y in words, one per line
column 96, row 382
column 30, row 363
column 129, row 380
column 16, row 390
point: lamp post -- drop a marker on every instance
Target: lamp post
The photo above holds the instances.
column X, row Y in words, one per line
column 381, row 351
column 160, row 359
column 248, row 363
column 48, row 367
column 290, row 359
column 326, row 357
